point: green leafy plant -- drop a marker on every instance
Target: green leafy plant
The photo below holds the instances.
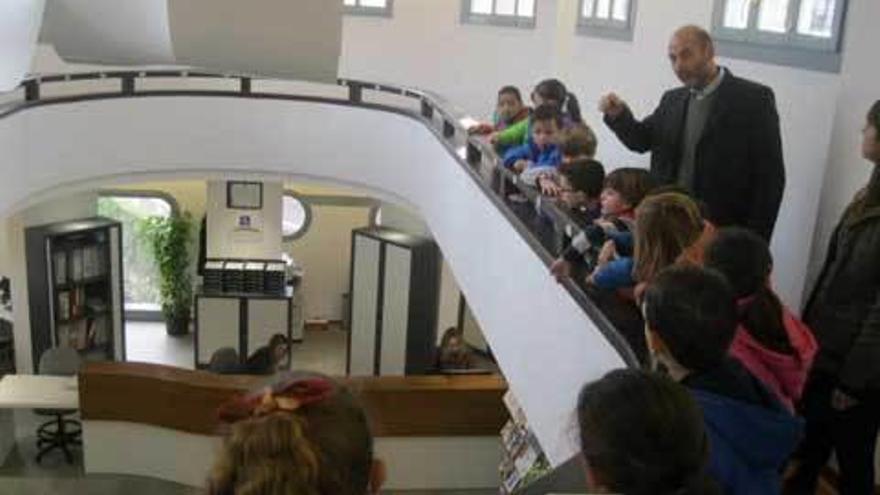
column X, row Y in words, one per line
column 169, row 239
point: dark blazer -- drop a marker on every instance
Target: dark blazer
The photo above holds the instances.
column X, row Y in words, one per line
column 844, row 308
column 739, row 173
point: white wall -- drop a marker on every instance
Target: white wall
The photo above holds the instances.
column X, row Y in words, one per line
column 227, row 239
column 847, row 171
column 426, row 45
column 19, row 28
column 324, row 252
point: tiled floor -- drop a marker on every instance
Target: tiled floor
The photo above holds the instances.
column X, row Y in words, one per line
column 148, row 342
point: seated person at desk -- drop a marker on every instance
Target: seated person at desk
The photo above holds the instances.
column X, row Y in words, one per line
column 270, row 358
column 453, row 353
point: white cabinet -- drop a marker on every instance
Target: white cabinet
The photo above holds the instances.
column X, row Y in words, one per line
column 394, row 296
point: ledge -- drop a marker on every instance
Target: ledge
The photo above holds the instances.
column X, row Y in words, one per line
column 185, row 400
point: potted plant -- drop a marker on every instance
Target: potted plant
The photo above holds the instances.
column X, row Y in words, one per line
column 169, row 240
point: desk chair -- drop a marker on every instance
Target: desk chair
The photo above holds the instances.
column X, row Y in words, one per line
column 224, row 361
column 60, row 432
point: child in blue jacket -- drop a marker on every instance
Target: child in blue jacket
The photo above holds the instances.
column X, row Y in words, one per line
column 541, row 153
column 690, row 320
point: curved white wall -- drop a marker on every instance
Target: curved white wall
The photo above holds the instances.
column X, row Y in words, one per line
column 545, row 343
column 413, row 463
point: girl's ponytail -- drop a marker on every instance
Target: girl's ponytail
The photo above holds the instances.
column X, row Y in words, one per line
column 573, row 108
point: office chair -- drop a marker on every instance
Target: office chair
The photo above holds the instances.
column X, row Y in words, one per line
column 60, row 432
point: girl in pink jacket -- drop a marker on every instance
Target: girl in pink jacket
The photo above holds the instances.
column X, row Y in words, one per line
column 771, row 342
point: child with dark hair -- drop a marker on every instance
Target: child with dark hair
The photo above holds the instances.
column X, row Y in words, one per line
column 578, row 144
column 772, row 343
column 541, row 153
column 509, row 111
column 548, row 92
column 643, row 434
column 623, row 190
column 306, row 434
column 690, row 322
column 580, row 185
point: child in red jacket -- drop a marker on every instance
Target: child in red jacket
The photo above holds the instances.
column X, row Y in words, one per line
column 771, row 342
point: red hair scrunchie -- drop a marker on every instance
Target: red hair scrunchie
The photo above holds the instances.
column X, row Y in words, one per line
column 284, row 396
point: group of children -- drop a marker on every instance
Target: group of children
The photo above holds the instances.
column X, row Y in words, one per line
column 713, row 412
column 714, row 326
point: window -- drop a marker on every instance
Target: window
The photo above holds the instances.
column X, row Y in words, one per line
column 802, row 33
column 515, row 13
column 296, row 216
column 380, row 8
column 140, row 273
column 607, row 18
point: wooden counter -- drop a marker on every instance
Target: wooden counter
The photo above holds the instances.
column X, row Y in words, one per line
column 185, row 400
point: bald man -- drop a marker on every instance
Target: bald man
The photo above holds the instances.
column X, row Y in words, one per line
column 717, row 136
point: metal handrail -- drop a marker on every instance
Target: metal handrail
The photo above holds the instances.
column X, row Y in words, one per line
column 443, row 117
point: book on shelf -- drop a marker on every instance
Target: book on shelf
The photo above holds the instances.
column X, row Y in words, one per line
column 98, row 331
column 77, row 301
column 76, row 264
column 63, row 311
column 89, row 260
column 59, row 260
column 81, row 341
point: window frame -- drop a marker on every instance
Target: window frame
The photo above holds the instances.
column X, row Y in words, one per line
column 143, row 193
column 143, row 314
column 307, row 223
column 360, row 10
column 500, row 20
column 790, row 48
column 607, row 28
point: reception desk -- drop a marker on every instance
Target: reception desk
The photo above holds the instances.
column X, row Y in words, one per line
column 434, row 432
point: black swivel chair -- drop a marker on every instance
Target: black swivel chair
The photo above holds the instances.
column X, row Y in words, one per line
column 225, row 362
column 60, row 432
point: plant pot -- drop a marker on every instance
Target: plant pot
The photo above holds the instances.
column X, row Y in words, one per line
column 177, row 326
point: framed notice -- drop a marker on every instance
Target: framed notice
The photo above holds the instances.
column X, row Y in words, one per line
column 244, row 195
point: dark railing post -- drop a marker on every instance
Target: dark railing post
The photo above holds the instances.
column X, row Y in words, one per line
column 474, row 155
column 31, row 90
column 448, row 129
column 427, row 110
column 245, row 85
column 355, row 93
column 128, row 84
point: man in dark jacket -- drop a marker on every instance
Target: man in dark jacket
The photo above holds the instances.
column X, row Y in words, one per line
column 718, row 136
column 690, row 316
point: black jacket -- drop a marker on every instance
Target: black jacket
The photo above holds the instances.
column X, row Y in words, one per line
column 739, row 173
column 844, row 308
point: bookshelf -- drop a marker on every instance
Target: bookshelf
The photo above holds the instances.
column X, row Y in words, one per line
column 75, row 287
